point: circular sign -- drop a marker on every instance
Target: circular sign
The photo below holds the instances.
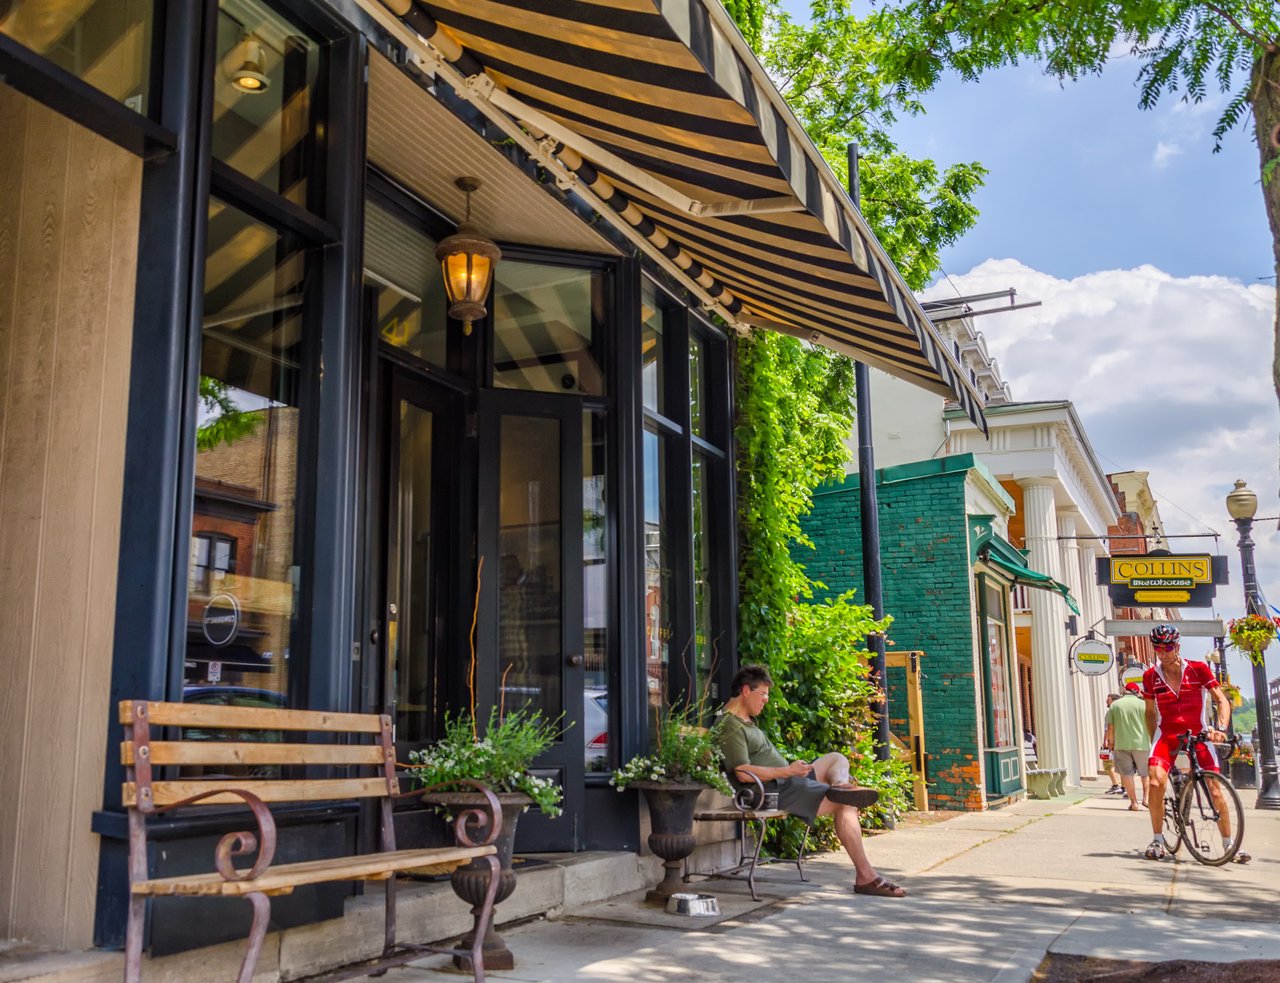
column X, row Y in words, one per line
column 1132, row 674
column 220, row 620
column 1092, row 656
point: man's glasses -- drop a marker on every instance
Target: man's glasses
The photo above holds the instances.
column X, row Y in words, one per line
column 1164, row 646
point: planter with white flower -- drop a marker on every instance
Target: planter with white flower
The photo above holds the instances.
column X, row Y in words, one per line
column 1252, row 635
column 500, row 759
column 685, row 761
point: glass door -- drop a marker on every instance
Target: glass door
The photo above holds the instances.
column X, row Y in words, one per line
column 531, row 533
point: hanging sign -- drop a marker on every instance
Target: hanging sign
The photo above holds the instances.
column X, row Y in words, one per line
column 221, row 620
column 1163, row 579
column 1092, row 656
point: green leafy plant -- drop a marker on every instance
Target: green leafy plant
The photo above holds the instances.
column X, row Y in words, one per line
column 1243, row 755
column 682, row 753
column 226, row 422
column 1252, row 634
column 501, row 758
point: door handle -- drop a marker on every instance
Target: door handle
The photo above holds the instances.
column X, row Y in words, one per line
column 576, row 660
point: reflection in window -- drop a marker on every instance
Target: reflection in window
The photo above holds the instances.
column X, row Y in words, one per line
column 657, row 572
column 704, row 641
column 1001, row 734
column 107, row 44
column 595, row 590
column 547, row 324
column 400, row 267
column 652, row 375
column 697, row 385
column 263, row 88
column 241, row 622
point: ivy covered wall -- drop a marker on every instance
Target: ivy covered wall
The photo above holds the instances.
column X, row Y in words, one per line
column 927, row 591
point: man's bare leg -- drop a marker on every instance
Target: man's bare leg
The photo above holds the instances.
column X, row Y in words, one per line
column 831, row 769
column 1130, row 790
column 850, row 835
column 1157, row 777
column 1146, row 790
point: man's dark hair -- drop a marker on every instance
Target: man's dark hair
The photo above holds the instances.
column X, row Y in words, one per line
column 751, row 675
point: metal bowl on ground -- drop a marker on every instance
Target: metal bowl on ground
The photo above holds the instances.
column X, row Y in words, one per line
column 693, row 904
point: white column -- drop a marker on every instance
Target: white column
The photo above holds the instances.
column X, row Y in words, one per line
column 1055, row 718
column 1084, row 689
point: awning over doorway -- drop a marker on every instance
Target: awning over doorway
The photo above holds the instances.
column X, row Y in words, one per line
column 657, row 113
column 1029, row 578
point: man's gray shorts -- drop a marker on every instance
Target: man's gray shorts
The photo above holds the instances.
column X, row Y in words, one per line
column 1132, row 762
column 802, row 796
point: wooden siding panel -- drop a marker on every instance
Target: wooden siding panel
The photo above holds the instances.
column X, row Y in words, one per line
column 61, row 465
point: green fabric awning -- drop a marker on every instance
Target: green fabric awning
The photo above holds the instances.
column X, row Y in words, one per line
column 1030, row 578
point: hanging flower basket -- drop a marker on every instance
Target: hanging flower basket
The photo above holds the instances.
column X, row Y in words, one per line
column 1252, row 634
column 1232, row 692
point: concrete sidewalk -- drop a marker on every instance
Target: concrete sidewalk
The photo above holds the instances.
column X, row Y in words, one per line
column 991, row 894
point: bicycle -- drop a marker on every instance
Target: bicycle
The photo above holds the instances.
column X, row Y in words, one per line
column 1190, row 813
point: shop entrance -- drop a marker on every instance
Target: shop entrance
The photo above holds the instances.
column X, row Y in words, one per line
column 531, row 531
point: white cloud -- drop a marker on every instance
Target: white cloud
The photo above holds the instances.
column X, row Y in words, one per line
column 1164, row 153
column 1170, row 375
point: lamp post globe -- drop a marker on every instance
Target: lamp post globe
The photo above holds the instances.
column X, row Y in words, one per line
column 1242, row 506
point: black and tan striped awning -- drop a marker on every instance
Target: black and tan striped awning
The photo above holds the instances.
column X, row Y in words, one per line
column 659, row 110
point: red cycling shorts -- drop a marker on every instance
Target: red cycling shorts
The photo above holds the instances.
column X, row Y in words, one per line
column 1165, row 749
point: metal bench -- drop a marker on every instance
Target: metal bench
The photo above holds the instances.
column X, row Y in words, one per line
column 748, row 808
column 192, row 746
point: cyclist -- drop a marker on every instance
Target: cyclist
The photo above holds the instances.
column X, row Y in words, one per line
column 1174, row 689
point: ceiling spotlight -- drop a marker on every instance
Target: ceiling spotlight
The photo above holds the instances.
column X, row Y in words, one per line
column 250, row 76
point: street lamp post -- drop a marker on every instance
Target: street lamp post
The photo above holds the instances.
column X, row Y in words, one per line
column 1242, row 504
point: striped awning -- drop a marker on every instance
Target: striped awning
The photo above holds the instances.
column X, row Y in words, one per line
column 657, row 110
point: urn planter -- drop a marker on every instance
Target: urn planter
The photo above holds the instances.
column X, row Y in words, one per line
column 671, row 808
column 470, row 881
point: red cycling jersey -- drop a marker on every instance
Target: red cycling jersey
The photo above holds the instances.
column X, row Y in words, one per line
column 1179, row 712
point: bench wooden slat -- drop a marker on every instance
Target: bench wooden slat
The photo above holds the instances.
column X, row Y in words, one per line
column 254, row 753
column 733, row 815
column 268, row 790
column 285, row 876
column 252, row 718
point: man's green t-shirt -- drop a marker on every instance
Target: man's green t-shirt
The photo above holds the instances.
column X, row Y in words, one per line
column 1128, row 717
column 744, row 743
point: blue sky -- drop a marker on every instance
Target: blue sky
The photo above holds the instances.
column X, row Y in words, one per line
column 1153, row 262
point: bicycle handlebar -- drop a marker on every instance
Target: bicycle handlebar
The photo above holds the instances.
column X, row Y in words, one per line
column 1190, row 738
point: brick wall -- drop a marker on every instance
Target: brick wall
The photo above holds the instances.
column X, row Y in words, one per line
column 927, row 586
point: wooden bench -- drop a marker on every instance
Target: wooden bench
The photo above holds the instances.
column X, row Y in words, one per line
column 1045, row 783
column 163, row 774
column 748, row 808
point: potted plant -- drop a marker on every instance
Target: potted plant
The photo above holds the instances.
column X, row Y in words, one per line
column 1232, row 692
column 1243, row 767
column 685, row 760
column 1252, row 634
column 499, row 759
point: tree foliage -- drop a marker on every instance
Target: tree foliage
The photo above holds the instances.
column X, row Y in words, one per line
column 1186, row 47
column 226, row 422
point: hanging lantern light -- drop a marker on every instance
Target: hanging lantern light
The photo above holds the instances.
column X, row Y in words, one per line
column 467, row 259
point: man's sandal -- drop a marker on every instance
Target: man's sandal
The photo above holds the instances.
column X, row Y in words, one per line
column 859, row 798
column 1156, row 850
column 880, row 888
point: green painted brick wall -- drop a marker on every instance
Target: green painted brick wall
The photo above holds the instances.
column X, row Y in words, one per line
column 927, row 585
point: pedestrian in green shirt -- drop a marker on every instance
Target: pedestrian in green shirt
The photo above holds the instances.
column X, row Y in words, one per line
column 1127, row 736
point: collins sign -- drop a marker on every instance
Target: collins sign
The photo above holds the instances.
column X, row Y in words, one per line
column 1162, row 579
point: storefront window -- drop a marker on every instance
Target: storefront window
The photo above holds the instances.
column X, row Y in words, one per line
column 997, row 654
column 704, row 640
column 547, row 323
column 263, row 90
column 697, row 385
column 107, row 44
column 400, row 267
column 657, row 571
column 652, row 374
column 245, row 572
column 595, row 592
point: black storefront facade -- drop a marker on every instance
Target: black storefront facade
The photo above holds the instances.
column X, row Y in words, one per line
column 330, row 493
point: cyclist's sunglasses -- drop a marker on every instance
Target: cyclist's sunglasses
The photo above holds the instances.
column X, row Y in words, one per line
column 1164, row 646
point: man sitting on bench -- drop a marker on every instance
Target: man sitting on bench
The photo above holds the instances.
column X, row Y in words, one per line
column 805, row 789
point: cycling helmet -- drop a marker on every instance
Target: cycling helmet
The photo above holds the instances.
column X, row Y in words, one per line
column 1164, row 635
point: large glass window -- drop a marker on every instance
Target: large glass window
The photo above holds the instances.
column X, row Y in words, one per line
column 263, row 92
column 595, row 590
column 400, row 267
column 547, row 325
column 1001, row 707
column 107, row 44
column 245, row 572
column 686, row 464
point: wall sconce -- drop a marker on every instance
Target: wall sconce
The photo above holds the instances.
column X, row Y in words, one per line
column 251, row 76
column 467, row 259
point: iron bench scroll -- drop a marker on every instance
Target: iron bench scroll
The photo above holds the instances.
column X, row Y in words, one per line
column 749, row 801
column 148, row 791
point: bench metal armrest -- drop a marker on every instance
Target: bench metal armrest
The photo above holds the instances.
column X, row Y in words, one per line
column 473, row 819
column 748, row 797
column 235, row 844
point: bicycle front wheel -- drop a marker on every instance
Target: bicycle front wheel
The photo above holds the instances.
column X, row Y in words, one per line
column 1207, row 805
